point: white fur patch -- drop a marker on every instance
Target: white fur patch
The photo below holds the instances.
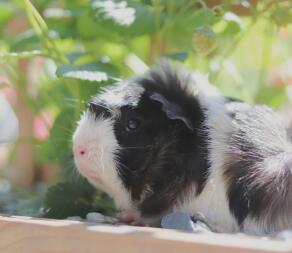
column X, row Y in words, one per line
column 212, row 201
column 124, row 93
column 98, row 164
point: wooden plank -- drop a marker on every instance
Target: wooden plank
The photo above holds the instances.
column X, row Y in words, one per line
column 25, row 234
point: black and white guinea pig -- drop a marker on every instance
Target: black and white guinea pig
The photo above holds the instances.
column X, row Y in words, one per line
column 169, row 141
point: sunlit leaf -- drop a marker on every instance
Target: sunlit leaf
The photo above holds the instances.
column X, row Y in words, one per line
column 57, row 13
column 96, row 76
column 25, row 54
column 105, row 16
column 95, row 72
column 119, row 12
column 232, row 17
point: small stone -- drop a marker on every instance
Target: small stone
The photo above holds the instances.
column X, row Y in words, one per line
column 96, row 217
column 177, row 220
column 111, row 220
column 285, row 235
column 183, row 221
column 74, row 218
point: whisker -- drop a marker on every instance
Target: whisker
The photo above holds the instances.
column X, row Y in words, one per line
column 103, row 106
column 138, row 147
column 75, row 100
column 125, row 167
column 101, row 159
column 67, row 130
column 75, row 172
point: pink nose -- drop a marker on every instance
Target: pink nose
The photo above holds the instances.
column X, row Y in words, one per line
column 81, row 150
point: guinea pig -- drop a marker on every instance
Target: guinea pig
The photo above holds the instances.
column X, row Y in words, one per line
column 169, row 141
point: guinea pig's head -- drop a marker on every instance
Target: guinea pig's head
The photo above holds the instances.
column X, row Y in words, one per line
column 142, row 141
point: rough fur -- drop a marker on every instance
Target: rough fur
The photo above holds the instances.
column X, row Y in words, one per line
column 195, row 151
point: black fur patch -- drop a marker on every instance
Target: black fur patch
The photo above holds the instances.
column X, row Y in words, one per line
column 163, row 158
column 236, row 171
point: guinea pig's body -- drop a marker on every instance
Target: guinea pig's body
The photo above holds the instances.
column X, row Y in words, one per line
column 169, row 141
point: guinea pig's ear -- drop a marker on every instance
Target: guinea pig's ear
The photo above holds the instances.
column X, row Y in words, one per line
column 173, row 111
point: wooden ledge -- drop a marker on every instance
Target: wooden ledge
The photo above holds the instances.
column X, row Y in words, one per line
column 26, row 234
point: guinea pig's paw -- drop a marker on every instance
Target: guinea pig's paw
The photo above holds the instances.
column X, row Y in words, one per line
column 131, row 218
column 139, row 223
column 199, row 217
column 127, row 217
column 200, row 225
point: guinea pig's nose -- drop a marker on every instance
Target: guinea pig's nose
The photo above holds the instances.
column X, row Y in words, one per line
column 99, row 109
column 80, row 150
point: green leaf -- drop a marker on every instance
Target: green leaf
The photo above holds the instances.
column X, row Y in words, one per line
column 229, row 25
column 87, row 27
column 57, row 13
column 138, row 19
column 93, row 72
column 144, row 22
column 61, row 133
column 25, row 41
column 69, row 199
column 74, row 56
column 19, row 55
column 282, row 16
column 96, row 76
column 186, row 23
column 76, row 198
column 118, row 12
column 232, row 17
column 68, row 171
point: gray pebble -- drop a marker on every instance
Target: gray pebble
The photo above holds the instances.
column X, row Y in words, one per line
column 177, row 220
column 284, row 235
column 183, row 221
column 95, row 217
column 74, row 218
column 100, row 218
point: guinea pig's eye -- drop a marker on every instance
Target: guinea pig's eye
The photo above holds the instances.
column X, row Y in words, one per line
column 133, row 124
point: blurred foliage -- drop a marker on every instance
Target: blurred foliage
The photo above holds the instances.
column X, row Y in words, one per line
column 87, row 44
column 65, row 199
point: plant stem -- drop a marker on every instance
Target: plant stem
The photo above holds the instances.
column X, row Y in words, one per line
column 41, row 29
